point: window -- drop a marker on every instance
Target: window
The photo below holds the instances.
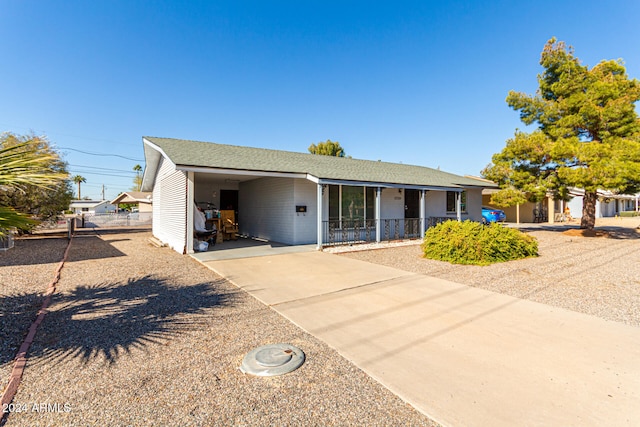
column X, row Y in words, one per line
column 334, row 203
column 451, row 202
column 351, row 203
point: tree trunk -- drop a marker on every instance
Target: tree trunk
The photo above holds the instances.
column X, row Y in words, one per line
column 588, row 220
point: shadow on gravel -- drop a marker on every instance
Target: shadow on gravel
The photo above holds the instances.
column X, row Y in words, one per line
column 610, row 232
column 111, row 319
column 34, row 250
column 93, row 247
column 17, row 312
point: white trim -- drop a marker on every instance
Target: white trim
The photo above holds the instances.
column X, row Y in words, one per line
column 190, row 211
column 423, row 213
column 377, row 212
column 240, row 172
column 385, row 185
column 319, row 210
column 151, row 167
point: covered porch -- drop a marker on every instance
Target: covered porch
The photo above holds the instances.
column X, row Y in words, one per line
column 352, row 213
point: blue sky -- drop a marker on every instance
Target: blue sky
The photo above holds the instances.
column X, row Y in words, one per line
column 418, row 82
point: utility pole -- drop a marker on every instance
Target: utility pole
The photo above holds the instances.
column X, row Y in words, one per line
column 102, row 191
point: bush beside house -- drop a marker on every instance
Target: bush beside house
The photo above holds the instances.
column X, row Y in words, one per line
column 472, row 243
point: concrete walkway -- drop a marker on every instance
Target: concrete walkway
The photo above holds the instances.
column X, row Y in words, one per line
column 461, row 355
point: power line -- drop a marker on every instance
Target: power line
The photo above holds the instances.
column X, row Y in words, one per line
column 68, row 135
column 101, row 154
column 104, row 169
column 89, row 172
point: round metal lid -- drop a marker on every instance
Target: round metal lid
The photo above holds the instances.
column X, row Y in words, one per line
column 271, row 360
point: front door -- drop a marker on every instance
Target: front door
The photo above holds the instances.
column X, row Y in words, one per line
column 411, row 204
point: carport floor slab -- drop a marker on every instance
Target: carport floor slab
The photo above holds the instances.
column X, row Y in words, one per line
column 258, row 250
column 461, row 355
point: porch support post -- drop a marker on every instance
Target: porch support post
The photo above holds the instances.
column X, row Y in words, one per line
column 423, row 213
column 459, row 206
column 518, row 213
column 190, row 213
column 377, row 215
column 550, row 210
column 319, row 211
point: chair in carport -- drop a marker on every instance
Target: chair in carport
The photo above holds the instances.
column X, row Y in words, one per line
column 200, row 230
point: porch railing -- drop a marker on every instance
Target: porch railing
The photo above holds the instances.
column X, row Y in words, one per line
column 347, row 232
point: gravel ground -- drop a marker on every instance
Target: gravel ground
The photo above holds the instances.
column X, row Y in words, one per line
column 139, row 335
column 599, row 276
column 25, row 272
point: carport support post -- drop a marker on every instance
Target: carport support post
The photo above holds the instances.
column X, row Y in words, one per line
column 377, row 214
column 190, row 212
column 423, row 219
column 319, row 211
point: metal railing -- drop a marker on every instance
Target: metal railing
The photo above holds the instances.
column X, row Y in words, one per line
column 348, row 232
column 432, row 221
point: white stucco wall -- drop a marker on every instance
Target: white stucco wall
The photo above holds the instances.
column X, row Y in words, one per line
column 305, row 225
column 392, row 204
column 266, row 209
column 474, row 205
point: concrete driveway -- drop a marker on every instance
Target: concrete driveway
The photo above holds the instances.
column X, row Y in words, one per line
column 461, row 355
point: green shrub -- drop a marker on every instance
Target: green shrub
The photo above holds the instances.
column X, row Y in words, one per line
column 470, row 242
column 629, row 213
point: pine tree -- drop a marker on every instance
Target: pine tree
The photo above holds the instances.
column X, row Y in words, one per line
column 588, row 133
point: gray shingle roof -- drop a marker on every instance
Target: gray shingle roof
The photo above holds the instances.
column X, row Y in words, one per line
column 187, row 153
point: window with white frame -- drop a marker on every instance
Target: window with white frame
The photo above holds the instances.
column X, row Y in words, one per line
column 451, row 202
column 351, row 203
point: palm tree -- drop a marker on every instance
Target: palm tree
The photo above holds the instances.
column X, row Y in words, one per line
column 79, row 179
column 24, row 164
column 138, row 179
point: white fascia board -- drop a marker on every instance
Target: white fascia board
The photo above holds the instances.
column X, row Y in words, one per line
column 387, row 185
column 200, row 169
column 152, row 156
column 479, row 187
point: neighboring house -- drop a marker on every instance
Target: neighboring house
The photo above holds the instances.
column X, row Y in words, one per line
column 298, row 198
column 91, row 206
column 607, row 205
column 141, row 198
column 551, row 210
